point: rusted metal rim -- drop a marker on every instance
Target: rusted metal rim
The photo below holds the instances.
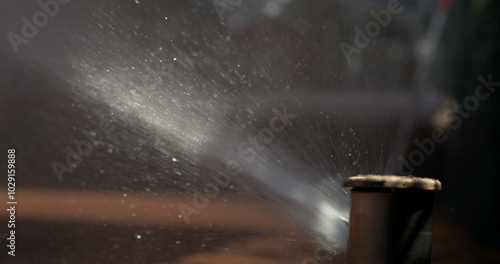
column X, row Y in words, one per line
column 392, row 182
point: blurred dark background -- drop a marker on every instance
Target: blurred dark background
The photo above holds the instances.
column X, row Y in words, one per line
column 40, row 114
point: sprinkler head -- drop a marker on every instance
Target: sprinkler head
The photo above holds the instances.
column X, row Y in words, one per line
column 390, row 219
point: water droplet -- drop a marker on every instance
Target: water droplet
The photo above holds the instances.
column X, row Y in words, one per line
column 175, row 59
column 138, row 236
column 177, row 242
column 174, row 159
column 166, row 17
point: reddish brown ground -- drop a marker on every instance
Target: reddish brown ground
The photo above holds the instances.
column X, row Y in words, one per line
column 273, row 238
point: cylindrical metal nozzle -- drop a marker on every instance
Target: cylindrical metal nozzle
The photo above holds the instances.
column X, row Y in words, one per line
column 390, row 219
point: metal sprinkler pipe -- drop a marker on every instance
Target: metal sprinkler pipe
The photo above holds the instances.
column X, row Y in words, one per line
column 390, row 219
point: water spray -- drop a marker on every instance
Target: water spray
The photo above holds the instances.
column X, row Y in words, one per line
column 390, row 219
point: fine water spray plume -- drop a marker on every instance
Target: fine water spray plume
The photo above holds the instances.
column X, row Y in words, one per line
column 324, row 215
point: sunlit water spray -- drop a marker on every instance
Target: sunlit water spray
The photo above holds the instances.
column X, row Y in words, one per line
column 203, row 95
column 193, row 121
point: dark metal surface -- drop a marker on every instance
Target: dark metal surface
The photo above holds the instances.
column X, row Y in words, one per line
column 390, row 226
